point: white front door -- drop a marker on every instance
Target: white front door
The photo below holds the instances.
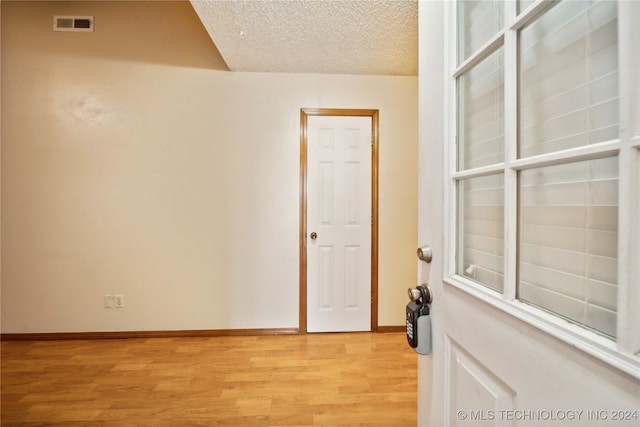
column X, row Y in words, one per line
column 530, row 327
column 339, row 223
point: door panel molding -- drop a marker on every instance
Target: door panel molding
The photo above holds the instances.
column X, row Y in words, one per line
column 304, row 114
column 475, row 392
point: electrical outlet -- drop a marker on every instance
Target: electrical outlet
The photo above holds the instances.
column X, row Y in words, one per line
column 119, row 301
column 108, row 301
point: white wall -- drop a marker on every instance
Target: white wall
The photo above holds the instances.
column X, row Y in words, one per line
column 133, row 163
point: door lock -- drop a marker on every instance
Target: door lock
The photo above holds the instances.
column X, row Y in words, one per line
column 425, row 254
column 314, row 236
column 418, row 319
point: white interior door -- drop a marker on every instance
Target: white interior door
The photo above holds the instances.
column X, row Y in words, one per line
column 338, row 223
column 499, row 359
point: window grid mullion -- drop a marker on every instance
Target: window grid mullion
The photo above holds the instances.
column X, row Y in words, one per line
column 529, row 14
column 479, row 55
column 511, row 154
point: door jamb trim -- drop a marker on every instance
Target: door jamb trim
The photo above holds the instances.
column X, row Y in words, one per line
column 304, row 114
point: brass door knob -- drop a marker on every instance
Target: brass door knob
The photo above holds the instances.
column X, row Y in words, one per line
column 314, row 236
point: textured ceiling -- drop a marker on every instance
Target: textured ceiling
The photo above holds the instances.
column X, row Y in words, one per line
column 314, row 36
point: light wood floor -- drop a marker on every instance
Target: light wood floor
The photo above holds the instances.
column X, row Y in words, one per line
column 355, row 379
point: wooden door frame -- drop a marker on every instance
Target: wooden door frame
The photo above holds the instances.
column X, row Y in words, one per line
column 304, row 114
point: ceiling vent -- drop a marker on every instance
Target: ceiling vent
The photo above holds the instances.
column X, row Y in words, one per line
column 73, row 23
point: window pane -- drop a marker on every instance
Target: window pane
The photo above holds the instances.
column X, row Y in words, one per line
column 568, row 241
column 481, row 113
column 523, row 5
column 481, row 230
column 478, row 22
column 569, row 78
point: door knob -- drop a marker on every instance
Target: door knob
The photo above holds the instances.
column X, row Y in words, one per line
column 425, row 254
column 314, row 236
column 421, row 293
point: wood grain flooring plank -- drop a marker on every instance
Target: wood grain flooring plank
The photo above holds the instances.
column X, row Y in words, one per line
column 353, row 379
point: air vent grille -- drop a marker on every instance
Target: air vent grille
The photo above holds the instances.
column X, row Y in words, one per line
column 72, row 23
